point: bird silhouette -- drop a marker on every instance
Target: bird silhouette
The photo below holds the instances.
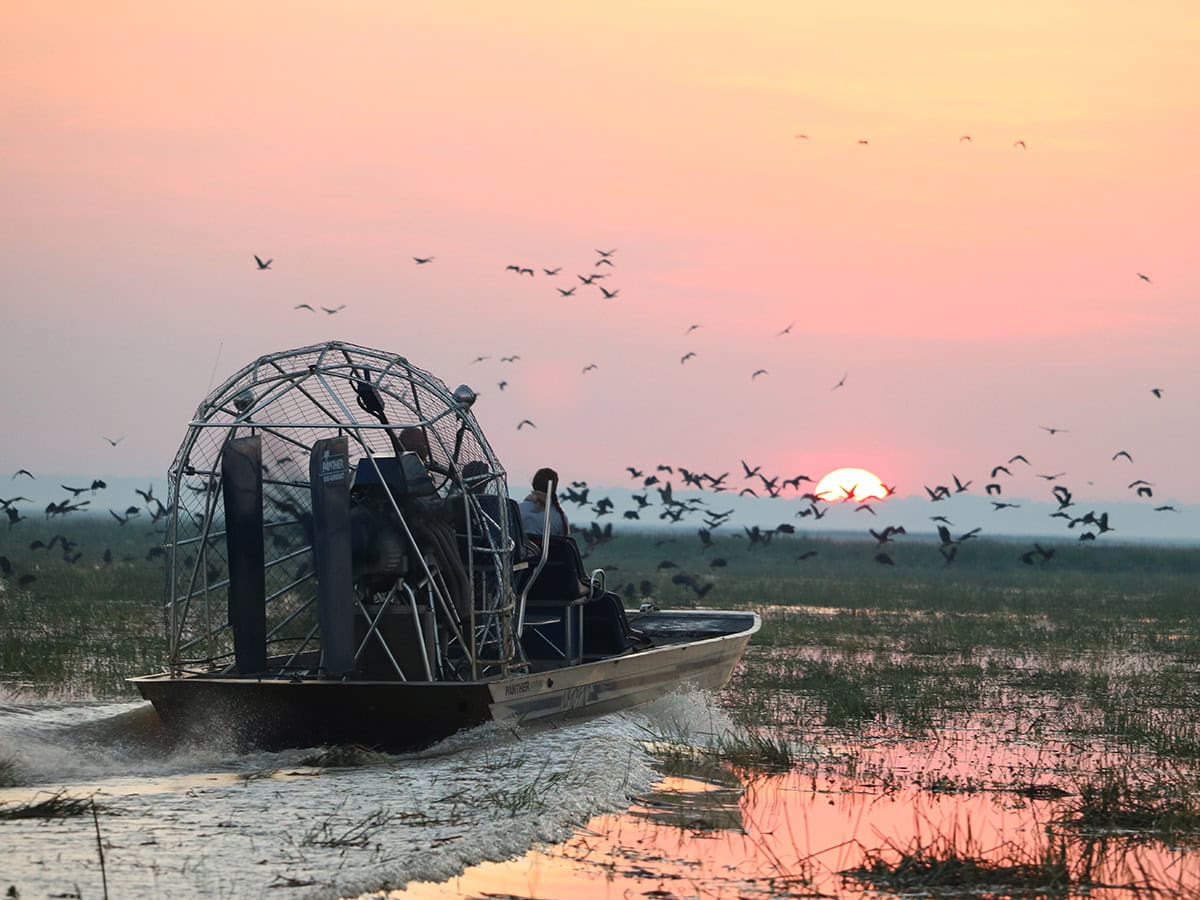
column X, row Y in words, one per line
column 686, row 357
column 1021, row 458
column 757, row 372
column 525, row 422
column 608, row 295
column 841, row 383
column 800, row 137
column 262, row 266
column 1051, row 429
column 787, row 330
column 589, row 367
column 1124, row 453
column 1020, row 144
column 691, row 328
column 509, row 359
column 479, row 359
column 23, row 472
column 1145, row 278
column 965, row 137
column 502, row 385
column 303, row 306
column 863, row 142
column 1000, row 469
column 1157, row 392
column 422, row 260
column 334, row 310
column 566, row 292
column 605, row 262
column 607, row 253
column 552, row 271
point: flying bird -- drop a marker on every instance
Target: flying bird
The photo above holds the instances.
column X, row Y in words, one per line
column 509, row 359
column 1051, row 430
column 691, row 328
column 479, row 359
column 787, row 330
column 589, row 368
column 686, row 357
column 566, row 292
column 113, row 441
column 422, row 260
column 965, row 137
column 525, row 422
column 1157, row 392
column 1145, row 278
column 607, row 253
column 1020, row 144
column 840, row 383
column 22, row 472
column 1124, row 453
column 502, row 385
column 303, row 306
column 801, row 137
column 757, row 372
column 263, row 265
column 1015, row 458
column 864, row 143
column 608, row 295
column 605, row 262
column 334, row 310
column 552, row 271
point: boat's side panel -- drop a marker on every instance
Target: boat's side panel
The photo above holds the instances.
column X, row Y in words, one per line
column 274, row 713
column 618, row 683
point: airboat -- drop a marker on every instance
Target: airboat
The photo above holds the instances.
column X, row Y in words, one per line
column 345, row 566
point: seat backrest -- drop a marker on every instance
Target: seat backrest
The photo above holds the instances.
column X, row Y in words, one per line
column 563, row 578
column 490, row 505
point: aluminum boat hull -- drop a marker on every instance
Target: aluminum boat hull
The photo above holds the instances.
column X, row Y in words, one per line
column 696, row 648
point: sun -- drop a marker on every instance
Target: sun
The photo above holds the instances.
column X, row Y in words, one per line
column 851, row 484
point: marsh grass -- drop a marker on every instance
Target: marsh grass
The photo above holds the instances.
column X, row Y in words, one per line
column 956, row 865
column 339, row 832
column 347, row 757
column 57, row 806
column 1168, row 806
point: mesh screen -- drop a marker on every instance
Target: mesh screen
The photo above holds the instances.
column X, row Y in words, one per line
column 291, row 400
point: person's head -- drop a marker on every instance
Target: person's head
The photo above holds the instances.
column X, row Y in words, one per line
column 545, row 481
column 413, row 439
column 475, row 475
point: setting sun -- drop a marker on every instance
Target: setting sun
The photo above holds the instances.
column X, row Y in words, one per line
column 851, row 484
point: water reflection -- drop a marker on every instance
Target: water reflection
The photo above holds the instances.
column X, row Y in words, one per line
column 805, row 835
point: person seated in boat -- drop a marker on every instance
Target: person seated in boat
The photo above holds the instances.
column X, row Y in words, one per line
column 413, row 439
column 533, row 507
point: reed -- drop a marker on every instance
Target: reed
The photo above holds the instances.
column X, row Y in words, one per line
column 57, row 806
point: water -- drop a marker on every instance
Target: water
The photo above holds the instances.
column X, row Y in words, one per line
column 203, row 820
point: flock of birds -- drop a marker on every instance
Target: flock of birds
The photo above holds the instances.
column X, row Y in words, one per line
column 657, row 495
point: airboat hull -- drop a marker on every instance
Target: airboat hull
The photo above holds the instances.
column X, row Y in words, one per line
column 697, row 648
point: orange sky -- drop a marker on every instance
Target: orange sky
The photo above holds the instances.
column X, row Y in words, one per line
column 971, row 290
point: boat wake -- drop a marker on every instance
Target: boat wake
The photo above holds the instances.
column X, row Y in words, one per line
column 202, row 819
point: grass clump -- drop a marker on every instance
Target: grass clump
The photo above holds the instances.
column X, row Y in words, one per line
column 942, row 867
column 348, row 757
column 1115, row 802
column 56, row 806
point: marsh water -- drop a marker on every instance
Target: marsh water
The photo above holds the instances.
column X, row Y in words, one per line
column 991, row 729
column 636, row 804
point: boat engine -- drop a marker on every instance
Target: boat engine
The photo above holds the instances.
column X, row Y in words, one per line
column 379, row 547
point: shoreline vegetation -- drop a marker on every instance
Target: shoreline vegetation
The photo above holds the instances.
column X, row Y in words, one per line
column 1067, row 682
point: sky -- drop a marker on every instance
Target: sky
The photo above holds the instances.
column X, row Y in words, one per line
column 969, row 292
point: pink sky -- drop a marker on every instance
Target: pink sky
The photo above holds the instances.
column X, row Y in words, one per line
column 971, row 290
